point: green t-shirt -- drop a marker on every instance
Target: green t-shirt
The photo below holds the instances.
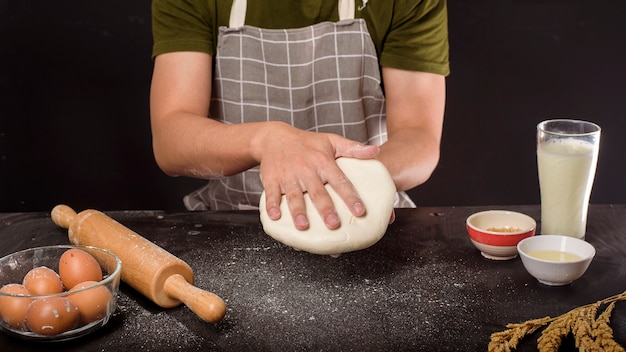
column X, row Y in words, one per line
column 408, row 34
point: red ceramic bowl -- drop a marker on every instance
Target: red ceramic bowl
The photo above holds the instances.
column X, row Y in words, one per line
column 496, row 233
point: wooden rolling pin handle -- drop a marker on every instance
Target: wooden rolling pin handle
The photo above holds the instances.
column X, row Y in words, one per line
column 62, row 216
column 208, row 306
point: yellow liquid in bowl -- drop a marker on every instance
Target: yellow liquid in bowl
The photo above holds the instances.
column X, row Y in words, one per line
column 557, row 256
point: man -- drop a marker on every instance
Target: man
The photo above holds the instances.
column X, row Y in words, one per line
column 290, row 86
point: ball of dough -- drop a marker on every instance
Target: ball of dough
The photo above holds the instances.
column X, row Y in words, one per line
column 377, row 190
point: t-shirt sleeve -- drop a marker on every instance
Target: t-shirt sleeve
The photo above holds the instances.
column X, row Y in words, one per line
column 182, row 25
column 418, row 37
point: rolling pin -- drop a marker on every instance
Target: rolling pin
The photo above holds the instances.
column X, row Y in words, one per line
column 157, row 274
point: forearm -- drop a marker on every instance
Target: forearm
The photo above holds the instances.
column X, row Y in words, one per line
column 411, row 157
column 185, row 141
column 415, row 109
column 189, row 145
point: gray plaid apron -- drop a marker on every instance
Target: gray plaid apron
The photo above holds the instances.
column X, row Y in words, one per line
column 322, row 78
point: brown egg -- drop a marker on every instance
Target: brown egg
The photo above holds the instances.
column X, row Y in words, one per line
column 92, row 303
column 52, row 315
column 42, row 281
column 76, row 266
column 13, row 309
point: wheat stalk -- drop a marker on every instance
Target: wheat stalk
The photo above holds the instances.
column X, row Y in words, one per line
column 507, row 340
column 582, row 328
column 551, row 338
column 590, row 334
column 602, row 332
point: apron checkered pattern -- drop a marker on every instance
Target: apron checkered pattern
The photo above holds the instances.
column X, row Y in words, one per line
column 322, row 78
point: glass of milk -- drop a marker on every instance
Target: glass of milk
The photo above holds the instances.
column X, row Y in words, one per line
column 567, row 154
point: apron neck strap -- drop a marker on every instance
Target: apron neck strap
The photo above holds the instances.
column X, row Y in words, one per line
column 239, row 8
column 238, row 13
column 346, row 10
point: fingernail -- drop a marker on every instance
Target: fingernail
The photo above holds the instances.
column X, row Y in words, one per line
column 367, row 146
column 301, row 222
column 274, row 213
column 358, row 208
column 332, row 221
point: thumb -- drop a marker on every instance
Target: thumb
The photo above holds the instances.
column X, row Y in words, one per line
column 353, row 149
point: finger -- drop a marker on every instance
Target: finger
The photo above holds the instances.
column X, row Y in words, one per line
column 324, row 204
column 393, row 216
column 346, row 191
column 353, row 149
column 295, row 201
column 273, row 196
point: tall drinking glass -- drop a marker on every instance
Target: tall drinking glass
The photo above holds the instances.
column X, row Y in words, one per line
column 567, row 155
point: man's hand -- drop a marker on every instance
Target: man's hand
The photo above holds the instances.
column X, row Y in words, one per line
column 294, row 162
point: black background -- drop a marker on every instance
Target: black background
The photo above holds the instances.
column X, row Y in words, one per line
column 74, row 89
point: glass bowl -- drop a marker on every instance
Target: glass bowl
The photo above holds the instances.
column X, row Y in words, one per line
column 94, row 304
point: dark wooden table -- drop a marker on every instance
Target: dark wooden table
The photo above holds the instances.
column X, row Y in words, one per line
column 422, row 287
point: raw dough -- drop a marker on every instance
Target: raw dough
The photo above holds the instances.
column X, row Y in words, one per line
column 377, row 190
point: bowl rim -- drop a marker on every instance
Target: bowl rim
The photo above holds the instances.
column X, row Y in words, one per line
column 499, row 233
column 104, row 282
column 557, row 262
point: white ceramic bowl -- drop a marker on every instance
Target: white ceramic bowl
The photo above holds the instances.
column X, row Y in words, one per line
column 496, row 233
column 551, row 270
